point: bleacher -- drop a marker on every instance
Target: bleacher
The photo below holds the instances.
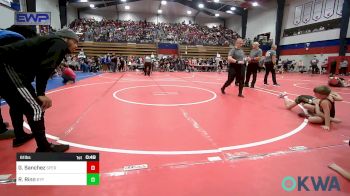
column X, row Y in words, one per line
column 122, row 49
column 131, row 49
column 205, row 51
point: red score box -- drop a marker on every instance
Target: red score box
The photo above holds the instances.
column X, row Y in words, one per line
column 93, row 167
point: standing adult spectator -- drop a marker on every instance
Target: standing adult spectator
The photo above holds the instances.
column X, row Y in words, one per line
column 314, row 66
column 344, row 67
column 270, row 63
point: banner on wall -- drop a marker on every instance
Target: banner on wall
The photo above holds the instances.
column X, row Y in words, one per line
column 329, row 8
column 307, row 12
column 297, row 14
column 168, row 48
column 317, row 10
column 33, row 18
column 340, row 7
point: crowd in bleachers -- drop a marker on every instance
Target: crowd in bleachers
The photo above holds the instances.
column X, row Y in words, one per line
column 118, row 63
column 149, row 32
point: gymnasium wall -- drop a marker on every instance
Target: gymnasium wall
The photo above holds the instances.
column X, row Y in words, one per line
column 50, row 6
column 7, row 14
column 322, row 44
column 72, row 14
column 291, row 19
column 311, row 11
column 209, row 21
column 262, row 19
column 99, row 14
column 235, row 23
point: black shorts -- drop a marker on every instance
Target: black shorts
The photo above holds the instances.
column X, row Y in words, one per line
column 304, row 99
column 67, row 79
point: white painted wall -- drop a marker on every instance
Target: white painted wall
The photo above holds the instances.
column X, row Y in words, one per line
column 99, row 14
column 50, row 6
column 235, row 23
column 209, row 21
column 72, row 14
column 262, row 19
column 7, row 16
column 23, row 5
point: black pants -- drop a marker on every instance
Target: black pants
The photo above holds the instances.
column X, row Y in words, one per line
column 314, row 69
column 270, row 68
column 251, row 69
column 17, row 122
column 147, row 69
column 235, row 71
column 67, row 79
column 20, row 96
column 343, row 70
column 120, row 68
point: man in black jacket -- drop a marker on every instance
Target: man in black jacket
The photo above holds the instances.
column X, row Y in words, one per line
column 39, row 57
column 11, row 35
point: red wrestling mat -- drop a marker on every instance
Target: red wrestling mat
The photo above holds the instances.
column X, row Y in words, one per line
column 176, row 123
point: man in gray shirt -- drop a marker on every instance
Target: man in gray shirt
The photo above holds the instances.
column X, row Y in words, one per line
column 270, row 62
column 255, row 56
column 314, row 63
column 236, row 66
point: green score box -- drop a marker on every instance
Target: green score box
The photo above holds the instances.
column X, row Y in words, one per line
column 93, row 179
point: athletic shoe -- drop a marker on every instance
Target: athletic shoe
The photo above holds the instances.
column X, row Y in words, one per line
column 54, row 148
column 246, row 85
column 251, row 86
column 276, row 85
column 20, row 141
column 266, row 84
column 223, row 90
column 283, row 94
column 240, row 95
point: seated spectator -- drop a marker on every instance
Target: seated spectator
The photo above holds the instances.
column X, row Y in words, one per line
column 68, row 75
column 148, row 32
